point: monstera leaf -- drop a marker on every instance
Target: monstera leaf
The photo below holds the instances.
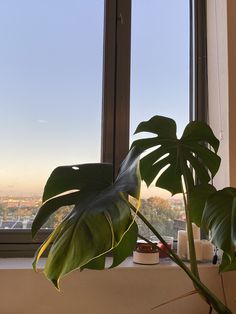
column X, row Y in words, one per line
column 227, row 264
column 100, row 221
column 171, row 158
column 197, row 200
column 219, row 217
column 214, row 211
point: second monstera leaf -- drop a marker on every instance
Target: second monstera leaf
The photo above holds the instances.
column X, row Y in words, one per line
column 219, row 217
column 172, row 158
column 100, row 221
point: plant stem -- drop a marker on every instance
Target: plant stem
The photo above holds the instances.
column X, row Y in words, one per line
column 192, row 253
column 208, row 296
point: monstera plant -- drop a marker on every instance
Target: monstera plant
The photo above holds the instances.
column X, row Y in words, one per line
column 102, row 220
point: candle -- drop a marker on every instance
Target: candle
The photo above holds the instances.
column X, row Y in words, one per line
column 208, row 250
column 182, row 244
column 162, row 252
column 146, row 253
column 196, row 232
column 198, row 249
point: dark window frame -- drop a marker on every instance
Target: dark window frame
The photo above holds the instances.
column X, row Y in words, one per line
column 116, row 98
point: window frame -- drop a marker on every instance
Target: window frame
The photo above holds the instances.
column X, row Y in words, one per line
column 116, row 98
column 116, row 81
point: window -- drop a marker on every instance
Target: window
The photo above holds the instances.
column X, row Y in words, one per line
column 160, row 85
column 61, row 45
column 49, row 66
column 50, row 94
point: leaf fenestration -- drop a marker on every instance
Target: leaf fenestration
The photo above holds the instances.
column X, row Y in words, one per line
column 171, row 158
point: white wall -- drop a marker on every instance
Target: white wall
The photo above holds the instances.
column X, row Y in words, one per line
column 222, row 79
column 218, row 83
column 231, row 26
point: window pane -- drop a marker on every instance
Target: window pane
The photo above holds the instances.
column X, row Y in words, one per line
column 50, row 96
column 160, row 86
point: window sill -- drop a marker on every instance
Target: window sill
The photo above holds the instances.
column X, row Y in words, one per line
column 127, row 289
column 26, row 263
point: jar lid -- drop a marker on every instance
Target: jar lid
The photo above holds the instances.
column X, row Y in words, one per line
column 144, row 247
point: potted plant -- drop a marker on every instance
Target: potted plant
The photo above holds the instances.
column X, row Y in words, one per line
column 103, row 220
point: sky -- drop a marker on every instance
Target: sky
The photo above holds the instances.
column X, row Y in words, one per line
column 160, row 61
column 51, row 81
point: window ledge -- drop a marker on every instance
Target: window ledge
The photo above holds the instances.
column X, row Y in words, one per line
column 129, row 288
column 26, row 263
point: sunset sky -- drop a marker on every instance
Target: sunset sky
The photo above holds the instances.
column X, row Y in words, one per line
column 51, row 81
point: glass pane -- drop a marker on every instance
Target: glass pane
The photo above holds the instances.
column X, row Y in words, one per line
column 50, row 96
column 160, row 86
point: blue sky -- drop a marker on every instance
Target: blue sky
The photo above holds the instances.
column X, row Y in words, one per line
column 160, row 60
column 51, row 81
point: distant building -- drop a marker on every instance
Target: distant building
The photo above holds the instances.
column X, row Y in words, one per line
column 12, row 224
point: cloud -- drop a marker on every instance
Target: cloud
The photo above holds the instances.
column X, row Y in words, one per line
column 42, row 121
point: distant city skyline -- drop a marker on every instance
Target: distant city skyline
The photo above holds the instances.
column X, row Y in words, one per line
column 51, row 81
column 19, row 213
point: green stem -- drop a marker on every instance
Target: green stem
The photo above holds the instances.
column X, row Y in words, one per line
column 208, row 296
column 192, row 253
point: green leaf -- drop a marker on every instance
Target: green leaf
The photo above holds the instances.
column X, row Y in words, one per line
column 126, row 246
column 50, row 206
column 78, row 242
column 87, row 178
column 100, row 221
column 98, row 263
column 171, row 158
column 45, row 245
column 128, row 179
column 220, row 219
column 78, row 177
column 197, row 131
column 120, row 252
column 227, row 264
column 197, row 200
